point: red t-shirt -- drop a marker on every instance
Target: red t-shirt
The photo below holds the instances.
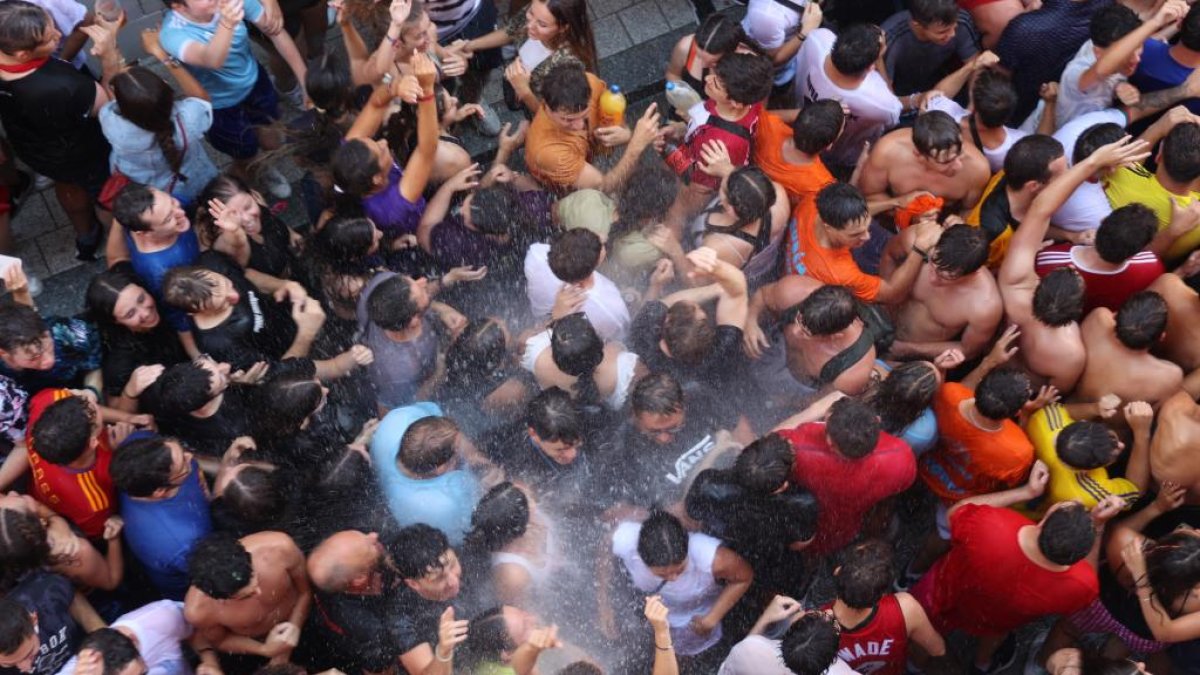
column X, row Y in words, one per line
column 83, row 496
column 846, row 488
column 985, row 585
column 881, row 646
column 1103, row 289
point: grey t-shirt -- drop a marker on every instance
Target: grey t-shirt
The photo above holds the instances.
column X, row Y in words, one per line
column 914, row 66
column 400, row 368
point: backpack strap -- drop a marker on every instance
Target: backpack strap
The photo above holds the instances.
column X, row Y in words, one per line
column 791, row 5
column 730, row 127
column 847, row 357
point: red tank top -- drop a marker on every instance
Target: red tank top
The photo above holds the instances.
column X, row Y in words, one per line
column 880, row 647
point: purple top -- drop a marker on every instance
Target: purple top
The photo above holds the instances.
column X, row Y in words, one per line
column 390, row 211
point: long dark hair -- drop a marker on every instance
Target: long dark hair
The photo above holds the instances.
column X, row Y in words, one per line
column 224, row 187
column 285, row 402
column 572, row 17
column 752, row 195
column 23, row 546
column 149, row 102
column 501, row 517
column 477, row 359
column 101, row 296
column 904, row 394
column 1173, row 566
column 577, row 350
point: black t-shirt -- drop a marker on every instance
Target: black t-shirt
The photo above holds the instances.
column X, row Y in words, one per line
column 353, row 632
column 125, row 351
column 414, row 621
column 274, row 255
column 210, row 436
column 566, row 489
column 50, row 596
column 729, row 513
column 259, row 329
column 48, row 119
column 640, row 472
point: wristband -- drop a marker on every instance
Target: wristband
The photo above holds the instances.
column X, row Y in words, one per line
column 392, row 40
column 921, row 252
column 425, row 99
column 437, row 655
column 668, row 648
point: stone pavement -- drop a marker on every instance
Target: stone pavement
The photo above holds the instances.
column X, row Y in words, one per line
column 633, row 37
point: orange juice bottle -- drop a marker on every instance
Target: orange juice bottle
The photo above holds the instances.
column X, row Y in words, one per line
column 612, row 107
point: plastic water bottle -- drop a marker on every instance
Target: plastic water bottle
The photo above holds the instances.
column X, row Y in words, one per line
column 109, row 9
column 612, row 107
column 681, row 97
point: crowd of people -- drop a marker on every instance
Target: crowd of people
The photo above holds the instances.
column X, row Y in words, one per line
column 871, row 347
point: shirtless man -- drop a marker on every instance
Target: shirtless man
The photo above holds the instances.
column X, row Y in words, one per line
column 1118, row 353
column 929, row 157
column 1181, row 344
column 822, row 327
column 1047, row 311
column 1172, row 450
column 248, row 595
column 955, row 303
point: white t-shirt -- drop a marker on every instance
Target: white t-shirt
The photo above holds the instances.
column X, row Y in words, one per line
column 604, row 306
column 758, row 655
column 159, row 628
column 995, row 156
column 1072, row 101
column 1088, row 205
column 770, row 23
column 873, row 107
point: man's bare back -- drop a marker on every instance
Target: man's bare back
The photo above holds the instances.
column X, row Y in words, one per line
column 1173, row 448
column 1113, row 368
column 807, row 355
column 1181, row 344
column 940, row 311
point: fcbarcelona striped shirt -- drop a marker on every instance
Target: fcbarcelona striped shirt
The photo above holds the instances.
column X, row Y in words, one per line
column 85, row 497
column 1103, row 288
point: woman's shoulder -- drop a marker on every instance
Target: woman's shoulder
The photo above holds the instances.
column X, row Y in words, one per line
column 193, row 109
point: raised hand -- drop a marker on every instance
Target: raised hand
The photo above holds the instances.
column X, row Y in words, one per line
column 1170, row 495
column 514, row 140
column 1004, row 349
column 466, row 179
column 1039, row 477
column 425, row 71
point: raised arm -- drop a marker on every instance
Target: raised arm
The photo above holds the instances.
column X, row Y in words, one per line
column 732, row 301
column 420, row 164
column 895, row 289
column 438, row 206
column 1119, row 52
column 1032, row 489
column 188, row 84
column 212, row 54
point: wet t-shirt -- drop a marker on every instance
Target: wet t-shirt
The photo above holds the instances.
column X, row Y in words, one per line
column 50, row 596
column 646, row 474
column 259, row 329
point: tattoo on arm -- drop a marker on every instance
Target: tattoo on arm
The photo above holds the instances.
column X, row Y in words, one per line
column 1162, row 99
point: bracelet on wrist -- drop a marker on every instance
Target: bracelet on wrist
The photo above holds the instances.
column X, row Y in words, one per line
column 437, row 654
column 425, row 98
column 668, row 648
column 924, row 255
column 394, row 41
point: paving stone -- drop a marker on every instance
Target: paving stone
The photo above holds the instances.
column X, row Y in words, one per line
column 644, row 22
column 605, row 8
column 611, row 37
column 58, row 250
column 679, row 13
column 35, row 217
column 31, row 258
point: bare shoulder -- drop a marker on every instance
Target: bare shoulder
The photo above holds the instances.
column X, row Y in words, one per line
column 198, row 608
column 277, row 545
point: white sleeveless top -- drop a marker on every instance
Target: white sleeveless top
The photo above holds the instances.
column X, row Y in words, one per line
column 626, row 367
column 693, row 594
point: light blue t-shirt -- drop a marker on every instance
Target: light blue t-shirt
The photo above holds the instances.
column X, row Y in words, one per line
column 136, row 153
column 232, row 82
column 922, row 434
column 444, row 502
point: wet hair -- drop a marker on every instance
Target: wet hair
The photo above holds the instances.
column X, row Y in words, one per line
column 498, row 210
column 390, row 305
column 572, row 15
column 1142, row 320
column 487, row 639
column 477, row 355
column 1125, row 232
column 1189, row 30
column 400, row 129
column 1030, row 159
column 16, row 622
column 354, row 169
column 130, row 207
column 20, row 325
column 328, row 85
column 578, row 351
column 574, row 255
column 688, row 335
column 765, row 465
column 1095, row 137
column 904, row 395
column 839, row 204
column 500, row 517
column 1085, row 445
column 344, row 239
column 565, row 88
column 254, row 500
column 148, row 102
column 719, row 35
column 866, row 574
column 658, row 394
column 1173, row 566
column 23, row 546
column 1067, row 534
column 581, row 668
column 224, row 187
column 930, row 12
column 1058, row 298
column 1002, row 393
column 104, row 289
column 1112, row 23
column 810, row 645
column 428, row 444
column 115, row 648
column 936, row 131
column 1181, row 152
column 961, row 250
column 828, row 310
column 746, row 77
column 647, row 196
column 139, row 467
column 182, row 388
column 994, row 98
column 856, row 48
column 818, row 125
column 189, row 288
column 64, row 431
column 418, row 550
column 751, row 194
column 553, row 416
column 853, row 427
column 662, row 541
column 292, row 398
column 220, row 566
column 22, row 26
